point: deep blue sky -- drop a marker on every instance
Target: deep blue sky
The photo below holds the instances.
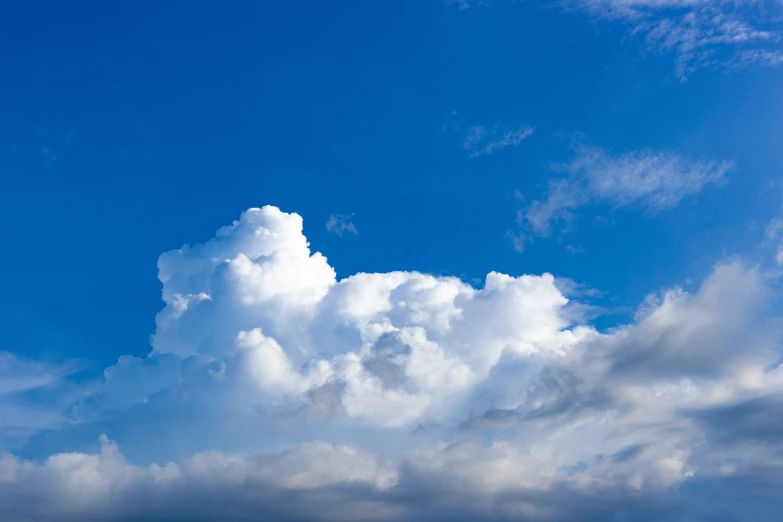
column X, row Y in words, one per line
column 446, row 156
column 130, row 128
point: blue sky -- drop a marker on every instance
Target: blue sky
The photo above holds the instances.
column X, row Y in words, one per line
column 628, row 148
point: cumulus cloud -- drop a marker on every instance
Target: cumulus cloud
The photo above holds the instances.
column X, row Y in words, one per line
column 399, row 342
column 341, row 224
column 651, row 181
column 732, row 33
column 274, row 389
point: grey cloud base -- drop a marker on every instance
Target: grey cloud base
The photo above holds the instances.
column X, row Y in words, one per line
column 275, row 391
column 222, row 488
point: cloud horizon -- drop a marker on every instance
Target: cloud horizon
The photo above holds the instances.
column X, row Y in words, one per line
column 273, row 387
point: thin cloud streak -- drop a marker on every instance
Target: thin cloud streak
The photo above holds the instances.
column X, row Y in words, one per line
column 700, row 33
column 480, row 141
column 647, row 180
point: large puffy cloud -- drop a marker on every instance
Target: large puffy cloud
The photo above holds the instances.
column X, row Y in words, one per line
column 399, row 347
column 274, row 388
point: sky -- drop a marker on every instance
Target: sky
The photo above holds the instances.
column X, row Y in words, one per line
column 421, row 260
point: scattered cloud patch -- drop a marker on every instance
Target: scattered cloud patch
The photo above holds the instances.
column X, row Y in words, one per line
column 341, row 224
column 647, row 180
column 274, row 388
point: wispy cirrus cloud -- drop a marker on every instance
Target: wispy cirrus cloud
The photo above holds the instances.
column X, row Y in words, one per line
column 699, row 33
column 480, row 140
column 650, row 181
column 19, row 379
column 729, row 33
column 483, row 140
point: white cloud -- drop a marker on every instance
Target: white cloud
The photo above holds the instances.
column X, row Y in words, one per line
column 341, row 224
column 285, row 303
column 701, row 32
column 652, row 181
column 275, row 389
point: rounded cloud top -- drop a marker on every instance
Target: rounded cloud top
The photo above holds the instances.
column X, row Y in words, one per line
column 385, row 348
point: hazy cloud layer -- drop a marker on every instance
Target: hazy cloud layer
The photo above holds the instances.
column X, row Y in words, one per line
column 274, row 390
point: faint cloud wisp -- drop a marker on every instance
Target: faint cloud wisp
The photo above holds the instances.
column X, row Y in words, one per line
column 481, row 141
column 648, row 180
column 731, row 34
column 341, row 224
column 727, row 33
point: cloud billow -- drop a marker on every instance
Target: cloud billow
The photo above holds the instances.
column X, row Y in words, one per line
column 274, row 389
